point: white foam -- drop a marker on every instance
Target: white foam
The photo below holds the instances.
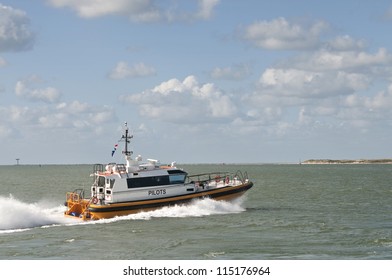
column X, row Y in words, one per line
column 16, row 215
column 197, row 208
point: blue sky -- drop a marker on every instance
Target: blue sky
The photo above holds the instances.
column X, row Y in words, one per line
column 202, row 81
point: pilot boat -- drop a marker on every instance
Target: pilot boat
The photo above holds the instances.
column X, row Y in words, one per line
column 123, row 189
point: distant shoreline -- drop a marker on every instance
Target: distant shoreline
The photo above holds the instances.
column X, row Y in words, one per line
column 347, row 161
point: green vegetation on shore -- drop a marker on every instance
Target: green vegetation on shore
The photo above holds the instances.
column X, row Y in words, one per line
column 347, row 161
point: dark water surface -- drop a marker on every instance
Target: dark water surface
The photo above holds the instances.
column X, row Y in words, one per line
column 292, row 212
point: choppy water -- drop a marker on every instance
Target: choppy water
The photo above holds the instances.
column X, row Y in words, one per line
column 292, row 212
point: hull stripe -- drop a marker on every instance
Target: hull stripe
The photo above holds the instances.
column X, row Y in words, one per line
column 160, row 202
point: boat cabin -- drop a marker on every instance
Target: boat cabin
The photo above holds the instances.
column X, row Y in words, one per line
column 112, row 184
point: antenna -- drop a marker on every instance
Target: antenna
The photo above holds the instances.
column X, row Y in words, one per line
column 127, row 139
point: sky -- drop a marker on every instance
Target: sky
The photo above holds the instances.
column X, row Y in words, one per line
column 198, row 81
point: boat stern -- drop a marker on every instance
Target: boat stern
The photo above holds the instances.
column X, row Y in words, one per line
column 77, row 206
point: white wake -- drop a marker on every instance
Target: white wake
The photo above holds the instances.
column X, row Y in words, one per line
column 16, row 215
column 196, row 208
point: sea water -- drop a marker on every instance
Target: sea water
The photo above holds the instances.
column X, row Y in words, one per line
column 292, row 212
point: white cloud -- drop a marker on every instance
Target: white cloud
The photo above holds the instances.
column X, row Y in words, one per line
column 381, row 101
column 75, row 107
column 321, row 100
column 310, row 84
column 356, row 112
column 24, row 88
column 321, row 89
column 236, row 72
column 206, row 8
column 15, row 32
column 345, row 43
column 280, row 34
column 91, row 114
column 76, row 115
column 325, row 60
column 184, row 101
column 122, row 71
column 136, row 10
column 139, row 10
column 71, row 117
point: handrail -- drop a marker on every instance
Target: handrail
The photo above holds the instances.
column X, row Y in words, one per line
column 209, row 173
column 242, row 176
column 207, row 176
column 76, row 196
column 77, row 202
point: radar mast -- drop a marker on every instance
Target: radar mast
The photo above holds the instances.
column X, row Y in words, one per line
column 127, row 139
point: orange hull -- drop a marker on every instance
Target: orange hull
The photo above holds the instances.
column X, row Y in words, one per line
column 87, row 210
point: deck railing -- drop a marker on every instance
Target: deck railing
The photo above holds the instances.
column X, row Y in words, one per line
column 217, row 176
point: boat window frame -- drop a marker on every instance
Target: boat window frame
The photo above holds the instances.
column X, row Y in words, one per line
column 101, row 181
column 177, row 176
column 177, row 179
column 145, row 182
column 111, row 183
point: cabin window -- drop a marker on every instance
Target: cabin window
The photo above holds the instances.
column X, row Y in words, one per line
column 177, row 178
column 148, row 181
column 101, row 181
column 112, row 183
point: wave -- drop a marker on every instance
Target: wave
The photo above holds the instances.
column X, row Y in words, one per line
column 17, row 216
column 196, row 208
